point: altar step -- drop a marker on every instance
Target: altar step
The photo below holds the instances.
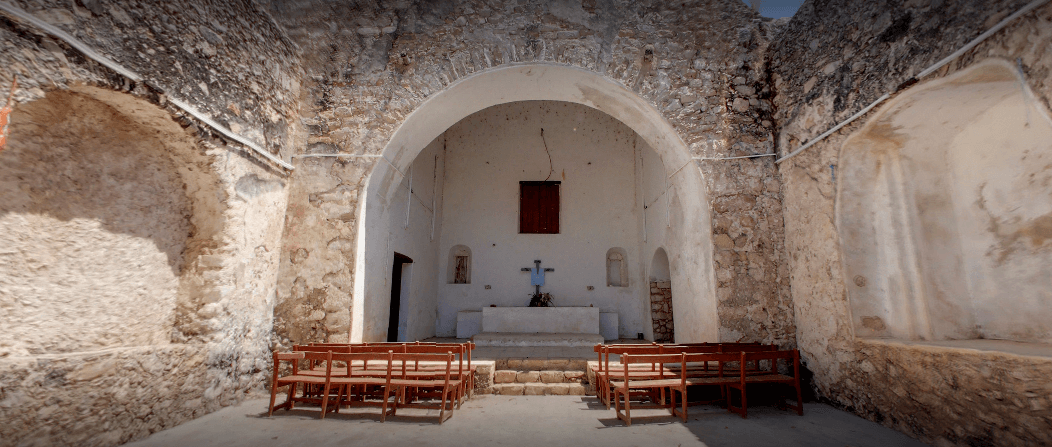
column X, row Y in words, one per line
column 540, row 377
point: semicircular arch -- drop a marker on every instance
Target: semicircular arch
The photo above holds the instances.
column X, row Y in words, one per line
column 685, row 223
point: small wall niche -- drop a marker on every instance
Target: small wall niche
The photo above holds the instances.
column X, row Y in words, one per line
column 459, row 265
column 616, row 267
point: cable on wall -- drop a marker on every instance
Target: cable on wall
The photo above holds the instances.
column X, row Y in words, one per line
column 18, row 14
column 912, row 80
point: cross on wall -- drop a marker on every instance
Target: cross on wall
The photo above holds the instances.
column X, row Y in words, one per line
column 537, row 274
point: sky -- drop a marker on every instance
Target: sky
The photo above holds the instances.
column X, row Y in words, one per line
column 777, row 9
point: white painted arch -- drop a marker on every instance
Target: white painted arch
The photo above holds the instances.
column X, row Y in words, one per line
column 688, row 232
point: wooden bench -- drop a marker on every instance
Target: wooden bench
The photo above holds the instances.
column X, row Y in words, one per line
column 767, row 375
column 298, row 376
column 624, row 381
column 441, row 381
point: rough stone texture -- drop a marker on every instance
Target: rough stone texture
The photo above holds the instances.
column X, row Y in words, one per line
column 831, row 60
column 661, row 311
column 190, row 224
column 370, row 65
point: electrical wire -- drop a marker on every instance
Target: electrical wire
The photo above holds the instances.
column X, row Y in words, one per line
column 551, row 167
column 956, row 54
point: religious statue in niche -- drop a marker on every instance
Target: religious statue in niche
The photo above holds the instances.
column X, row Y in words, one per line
column 537, row 280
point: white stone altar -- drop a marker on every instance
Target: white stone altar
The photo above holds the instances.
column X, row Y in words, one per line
column 537, row 326
column 548, row 320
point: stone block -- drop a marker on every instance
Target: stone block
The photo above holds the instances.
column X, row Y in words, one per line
column 532, row 364
column 509, row 389
column 559, row 389
column 552, row 376
column 556, row 364
column 576, row 389
column 528, row 376
column 573, row 376
column 535, row 389
column 504, row 376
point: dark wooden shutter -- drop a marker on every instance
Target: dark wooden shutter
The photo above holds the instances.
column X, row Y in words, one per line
column 539, row 207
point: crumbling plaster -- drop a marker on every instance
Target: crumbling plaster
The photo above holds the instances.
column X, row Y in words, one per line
column 831, row 60
column 696, row 63
column 212, row 336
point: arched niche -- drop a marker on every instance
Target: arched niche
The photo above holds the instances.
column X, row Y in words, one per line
column 688, row 227
column 459, row 265
column 662, row 310
column 659, row 268
column 106, row 206
column 616, row 267
column 944, row 215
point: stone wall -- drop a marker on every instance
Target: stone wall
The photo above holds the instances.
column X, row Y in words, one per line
column 369, row 66
column 831, row 60
column 143, row 287
column 661, row 311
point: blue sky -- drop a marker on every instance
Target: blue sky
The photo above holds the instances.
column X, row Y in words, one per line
column 776, row 9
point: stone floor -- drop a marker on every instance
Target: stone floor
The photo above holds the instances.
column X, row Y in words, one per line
column 529, row 421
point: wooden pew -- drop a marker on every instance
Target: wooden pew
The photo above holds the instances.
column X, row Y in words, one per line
column 624, row 381
column 768, row 375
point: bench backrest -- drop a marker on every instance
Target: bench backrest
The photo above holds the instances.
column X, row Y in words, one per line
column 626, row 349
column 350, row 359
column 789, row 356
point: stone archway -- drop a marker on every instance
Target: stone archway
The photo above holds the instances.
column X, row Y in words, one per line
column 687, row 220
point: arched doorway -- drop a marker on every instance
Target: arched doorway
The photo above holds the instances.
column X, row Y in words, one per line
column 678, row 210
column 661, row 298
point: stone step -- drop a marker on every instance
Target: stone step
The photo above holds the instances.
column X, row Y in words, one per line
column 539, row 389
column 504, row 376
column 542, row 364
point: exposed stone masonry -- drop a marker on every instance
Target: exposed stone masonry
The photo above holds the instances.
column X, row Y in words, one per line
column 834, row 58
column 369, row 66
column 268, row 258
column 661, row 311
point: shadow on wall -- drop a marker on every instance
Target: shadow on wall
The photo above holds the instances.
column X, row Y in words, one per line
column 99, row 201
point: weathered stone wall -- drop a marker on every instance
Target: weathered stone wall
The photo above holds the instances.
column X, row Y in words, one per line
column 831, row 60
column 83, row 139
column 661, row 311
column 370, row 65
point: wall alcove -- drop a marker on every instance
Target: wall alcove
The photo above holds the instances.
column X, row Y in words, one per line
column 946, row 224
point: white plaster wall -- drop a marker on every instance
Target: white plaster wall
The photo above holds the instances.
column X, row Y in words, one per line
column 655, row 222
column 416, row 241
column 594, row 157
column 945, row 226
column 1002, row 178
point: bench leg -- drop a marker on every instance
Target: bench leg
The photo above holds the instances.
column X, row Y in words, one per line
column 292, row 396
column 273, row 397
column 324, row 401
column 628, row 405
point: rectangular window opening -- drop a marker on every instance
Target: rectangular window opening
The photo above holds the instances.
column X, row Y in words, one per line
column 539, row 207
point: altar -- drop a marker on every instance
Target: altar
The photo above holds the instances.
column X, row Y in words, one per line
column 537, row 326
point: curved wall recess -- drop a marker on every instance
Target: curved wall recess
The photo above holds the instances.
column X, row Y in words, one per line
column 689, row 227
column 616, row 267
column 459, row 265
column 106, row 205
column 944, row 212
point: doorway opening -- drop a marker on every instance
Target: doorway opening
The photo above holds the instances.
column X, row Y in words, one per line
column 400, row 273
column 661, row 298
